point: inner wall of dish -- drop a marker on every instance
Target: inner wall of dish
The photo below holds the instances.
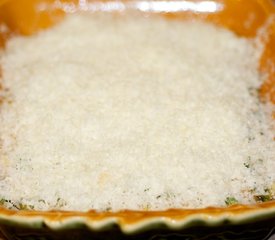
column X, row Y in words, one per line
column 244, row 17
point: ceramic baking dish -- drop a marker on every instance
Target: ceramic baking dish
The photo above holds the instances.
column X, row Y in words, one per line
column 245, row 18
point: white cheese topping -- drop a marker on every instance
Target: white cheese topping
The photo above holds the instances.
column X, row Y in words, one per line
column 126, row 112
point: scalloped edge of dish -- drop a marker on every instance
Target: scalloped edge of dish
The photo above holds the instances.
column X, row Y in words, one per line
column 131, row 222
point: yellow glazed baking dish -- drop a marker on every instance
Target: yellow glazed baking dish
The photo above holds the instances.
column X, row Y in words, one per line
column 245, row 18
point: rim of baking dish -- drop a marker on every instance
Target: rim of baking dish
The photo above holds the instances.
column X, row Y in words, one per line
column 130, row 221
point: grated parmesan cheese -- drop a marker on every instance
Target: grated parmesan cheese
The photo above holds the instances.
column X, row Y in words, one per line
column 111, row 113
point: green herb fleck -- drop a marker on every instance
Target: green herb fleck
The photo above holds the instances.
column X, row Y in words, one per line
column 252, row 190
column 31, row 207
column 260, row 160
column 108, row 209
column 22, row 206
column 267, row 190
column 2, row 201
column 60, row 203
column 262, row 198
column 250, row 139
column 247, row 165
column 230, row 201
